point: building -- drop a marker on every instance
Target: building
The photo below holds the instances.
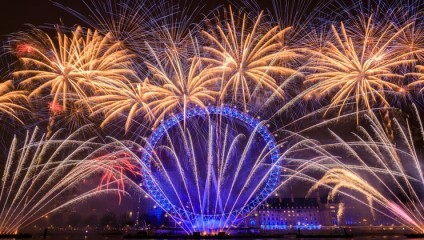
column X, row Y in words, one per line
column 290, row 214
column 293, row 213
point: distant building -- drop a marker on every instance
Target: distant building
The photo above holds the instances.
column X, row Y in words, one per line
column 293, row 213
column 360, row 215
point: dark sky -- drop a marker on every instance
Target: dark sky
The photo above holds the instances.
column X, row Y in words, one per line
column 14, row 14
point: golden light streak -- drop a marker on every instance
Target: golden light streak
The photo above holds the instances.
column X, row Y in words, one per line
column 418, row 83
column 124, row 99
column 40, row 177
column 78, row 64
column 12, row 101
column 357, row 67
column 388, row 173
column 178, row 84
column 247, row 58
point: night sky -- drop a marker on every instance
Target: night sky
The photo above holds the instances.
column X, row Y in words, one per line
column 15, row 14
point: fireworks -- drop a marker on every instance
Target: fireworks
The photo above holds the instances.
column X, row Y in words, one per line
column 117, row 165
column 71, row 69
column 127, row 22
column 12, row 101
column 76, row 115
column 37, row 181
column 78, row 65
column 121, row 99
column 419, row 82
column 148, row 66
column 394, row 174
column 177, row 85
column 357, row 68
column 247, row 59
column 215, row 192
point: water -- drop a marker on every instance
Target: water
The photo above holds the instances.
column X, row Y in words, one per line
column 70, row 237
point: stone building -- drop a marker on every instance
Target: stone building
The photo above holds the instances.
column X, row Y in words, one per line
column 293, row 213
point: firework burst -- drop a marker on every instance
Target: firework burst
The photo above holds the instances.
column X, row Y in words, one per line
column 248, row 58
column 125, row 21
column 357, row 67
column 389, row 176
column 75, row 116
column 12, row 101
column 124, row 100
column 77, row 64
column 37, row 179
column 178, row 84
column 117, row 166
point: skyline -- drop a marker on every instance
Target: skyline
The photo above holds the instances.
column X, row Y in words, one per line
column 202, row 116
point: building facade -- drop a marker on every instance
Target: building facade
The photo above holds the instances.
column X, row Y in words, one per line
column 293, row 213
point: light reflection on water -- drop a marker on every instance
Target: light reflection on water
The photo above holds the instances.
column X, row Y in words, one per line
column 63, row 237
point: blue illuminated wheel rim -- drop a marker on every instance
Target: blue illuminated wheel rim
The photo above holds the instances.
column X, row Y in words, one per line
column 269, row 186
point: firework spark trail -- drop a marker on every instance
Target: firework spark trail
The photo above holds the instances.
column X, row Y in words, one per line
column 76, row 116
column 340, row 174
column 391, row 172
column 418, row 83
column 177, row 85
column 12, row 101
column 117, row 166
column 180, row 163
column 247, row 58
column 31, row 181
column 174, row 30
column 321, row 161
column 358, row 66
column 207, row 177
column 76, row 65
column 259, row 161
column 158, row 162
column 123, row 99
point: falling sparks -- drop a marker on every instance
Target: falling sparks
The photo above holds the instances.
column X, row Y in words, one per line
column 355, row 68
column 12, row 101
column 117, row 166
column 177, row 85
column 147, row 64
column 78, row 64
column 247, row 58
column 394, row 177
column 39, row 176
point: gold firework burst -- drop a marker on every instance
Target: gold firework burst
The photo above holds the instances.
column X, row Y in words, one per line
column 418, row 83
column 357, row 67
column 78, row 64
column 11, row 100
column 178, row 84
column 125, row 99
column 247, row 58
column 75, row 116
